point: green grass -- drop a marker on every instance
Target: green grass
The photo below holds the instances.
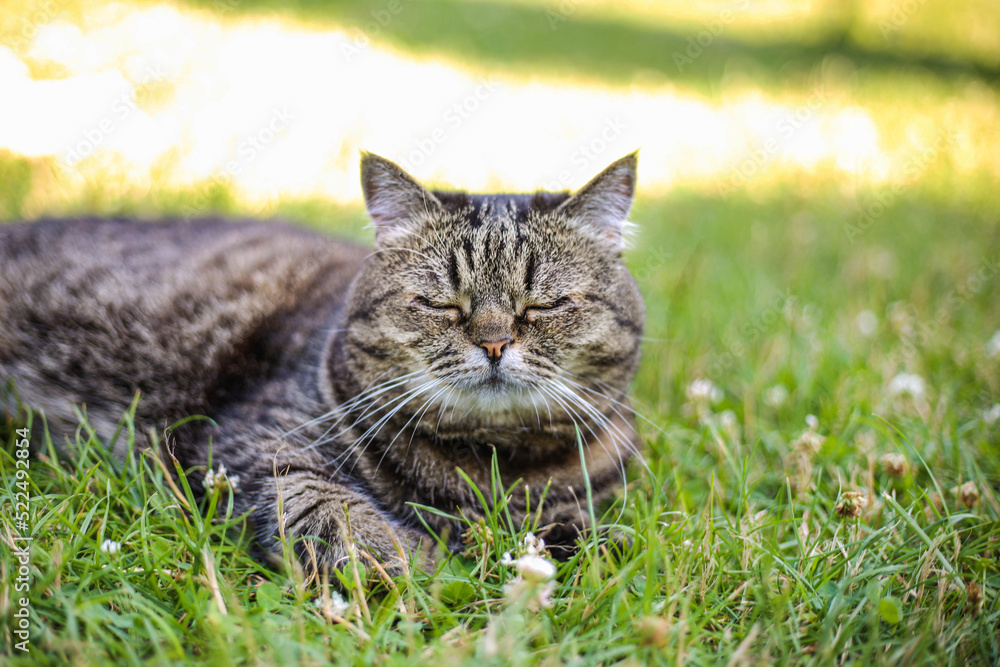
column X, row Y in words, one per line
column 735, row 547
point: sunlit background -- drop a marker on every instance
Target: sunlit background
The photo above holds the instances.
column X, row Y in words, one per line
column 259, row 102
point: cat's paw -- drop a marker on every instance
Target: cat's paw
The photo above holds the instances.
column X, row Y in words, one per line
column 327, row 525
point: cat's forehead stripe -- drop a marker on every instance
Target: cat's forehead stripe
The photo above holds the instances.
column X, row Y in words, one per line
column 469, row 254
column 529, row 272
column 500, row 240
column 453, row 276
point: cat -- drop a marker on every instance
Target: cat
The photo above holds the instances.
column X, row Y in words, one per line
column 344, row 383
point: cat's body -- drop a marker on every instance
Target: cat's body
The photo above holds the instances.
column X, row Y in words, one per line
column 341, row 377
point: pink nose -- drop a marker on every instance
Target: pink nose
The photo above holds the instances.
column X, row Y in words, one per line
column 496, row 348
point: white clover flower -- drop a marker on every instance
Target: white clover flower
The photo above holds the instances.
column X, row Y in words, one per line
column 336, row 605
column 993, row 346
column 532, row 545
column 894, row 464
column 339, row 604
column 776, row 396
column 907, row 384
column 535, row 569
column 900, row 319
column 534, row 582
column 851, row 504
column 221, row 480
column 729, row 424
column 110, row 547
column 883, row 264
column 810, row 439
column 968, row 494
column 866, row 322
column 703, row 391
column 534, row 593
column 992, row 415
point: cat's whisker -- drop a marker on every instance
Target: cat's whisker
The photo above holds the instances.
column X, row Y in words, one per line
column 581, row 383
column 448, row 391
column 602, row 417
column 421, row 237
column 571, row 413
column 376, row 429
column 628, row 407
column 538, row 416
column 520, row 417
column 417, row 414
column 369, row 435
column 633, row 400
column 372, row 409
column 548, row 408
column 621, row 439
column 611, row 428
column 441, row 410
column 364, row 396
column 574, row 416
column 618, row 438
column 375, row 407
column 347, row 405
column 615, row 438
column 363, row 399
column 371, row 401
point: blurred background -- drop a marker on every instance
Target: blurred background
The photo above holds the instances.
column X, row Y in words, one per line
column 818, row 178
column 112, row 105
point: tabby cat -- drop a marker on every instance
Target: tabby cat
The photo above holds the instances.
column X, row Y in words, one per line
column 344, row 384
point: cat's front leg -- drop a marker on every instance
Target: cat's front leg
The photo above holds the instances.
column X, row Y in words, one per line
column 303, row 505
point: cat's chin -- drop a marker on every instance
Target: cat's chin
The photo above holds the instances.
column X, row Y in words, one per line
column 495, row 396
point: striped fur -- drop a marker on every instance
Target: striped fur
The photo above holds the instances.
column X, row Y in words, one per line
column 345, row 384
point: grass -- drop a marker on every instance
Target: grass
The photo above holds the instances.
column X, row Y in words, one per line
column 798, row 353
column 736, row 549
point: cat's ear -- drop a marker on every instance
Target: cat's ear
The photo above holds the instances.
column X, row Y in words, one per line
column 394, row 199
column 601, row 206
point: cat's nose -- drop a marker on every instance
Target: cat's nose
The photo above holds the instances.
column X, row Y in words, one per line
column 495, row 349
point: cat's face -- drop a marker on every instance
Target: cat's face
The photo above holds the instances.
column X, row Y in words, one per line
column 495, row 305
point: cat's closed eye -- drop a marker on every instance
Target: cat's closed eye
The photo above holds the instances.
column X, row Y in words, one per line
column 451, row 310
column 534, row 310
